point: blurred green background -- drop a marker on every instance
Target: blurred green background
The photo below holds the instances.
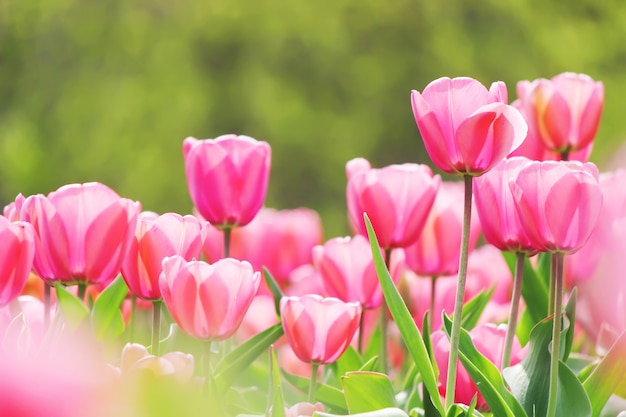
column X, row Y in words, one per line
column 106, row 90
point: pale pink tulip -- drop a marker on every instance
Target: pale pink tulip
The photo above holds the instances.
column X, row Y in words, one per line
column 396, row 198
column 156, row 238
column 304, row 409
column 208, row 301
column 227, row 177
column 17, row 250
column 260, row 315
column 558, row 203
column 176, row 365
column 437, row 250
column 12, row 210
column 466, row 128
column 319, row 329
column 564, row 112
column 82, row 232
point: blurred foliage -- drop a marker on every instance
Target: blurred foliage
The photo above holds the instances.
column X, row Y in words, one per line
column 106, row 90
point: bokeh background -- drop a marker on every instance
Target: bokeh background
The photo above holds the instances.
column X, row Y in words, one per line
column 106, row 90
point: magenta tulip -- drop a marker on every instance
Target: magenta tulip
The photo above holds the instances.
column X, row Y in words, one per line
column 156, row 238
column 397, row 199
column 466, row 128
column 558, row 203
column 564, row 112
column 319, row 329
column 208, row 301
column 227, row 177
column 436, row 252
column 17, row 250
column 82, row 232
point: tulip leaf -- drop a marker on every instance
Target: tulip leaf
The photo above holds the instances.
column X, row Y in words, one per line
column 404, row 320
column 276, row 406
column 530, row 379
column 462, row 410
column 277, row 293
column 429, row 407
column 329, row 395
column 534, row 289
column 486, row 376
column 349, row 361
column 608, row 377
column 367, row 391
column 73, row 309
column 106, row 315
column 386, row 412
column 246, row 353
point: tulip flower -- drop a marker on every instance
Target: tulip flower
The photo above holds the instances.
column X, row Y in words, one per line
column 82, row 232
column 227, row 177
column 397, row 199
column 17, row 250
column 166, row 235
column 12, row 210
column 564, row 112
column 466, row 128
column 208, row 301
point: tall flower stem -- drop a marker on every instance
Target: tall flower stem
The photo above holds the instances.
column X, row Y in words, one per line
column 513, row 314
column 227, row 234
column 433, row 294
column 313, row 384
column 455, row 335
column 156, row 326
column 551, row 285
column 556, row 334
column 360, row 345
column 82, row 288
column 384, row 363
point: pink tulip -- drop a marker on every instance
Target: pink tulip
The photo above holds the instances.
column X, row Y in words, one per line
column 12, row 210
column 208, row 301
column 564, row 112
column 319, row 329
column 156, row 238
column 17, row 250
column 304, row 409
column 558, row 203
column 437, row 250
column 496, row 207
column 82, row 232
column 260, row 315
column 347, row 269
column 397, row 199
column 136, row 360
column 488, row 340
column 227, row 177
column 290, row 233
column 466, row 128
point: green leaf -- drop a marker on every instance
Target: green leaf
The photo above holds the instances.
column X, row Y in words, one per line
column 473, row 309
column 462, row 410
column 276, row 406
column 277, row 293
column 387, row 412
column 530, row 380
column 367, row 391
column 404, row 321
column 243, row 355
column 329, row 395
column 73, row 309
column 486, row 376
column 534, row 289
column 348, row 362
column 608, row 377
column 429, row 408
column 106, row 315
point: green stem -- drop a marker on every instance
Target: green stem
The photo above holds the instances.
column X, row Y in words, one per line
column 455, row 335
column 556, row 335
column 360, row 345
column 384, row 362
column 551, row 285
column 156, row 326
column 313, row 384
column 227, row 233
column 517, row 293
column 82, row 287
column 47, row 289
column 433, row 293
column 565, row 154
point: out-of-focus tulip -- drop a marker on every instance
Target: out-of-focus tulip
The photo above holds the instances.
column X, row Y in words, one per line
column 156, row 238
column 82, row 232
column 488, row 340
column 260, row 315
column 319, row 329
column 17, row 250
column 304, row 409
column 12, row 210
column 564, row 112
column 208, row 301
column 280, row 240
column 558, row 203
column 436, row 252
column 227, row 177
column 495, row 205
column 347, row 269
column 306, row 279
column 136, row 359
column 466, row 128
column 396, row 198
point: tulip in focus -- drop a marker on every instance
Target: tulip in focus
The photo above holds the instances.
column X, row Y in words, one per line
column 227, row 177
column 17, row 250
column 466, row 128
column 156, row 238
column 208, row 301
column 82, row 232
column 319, row 329
column 396, row 198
